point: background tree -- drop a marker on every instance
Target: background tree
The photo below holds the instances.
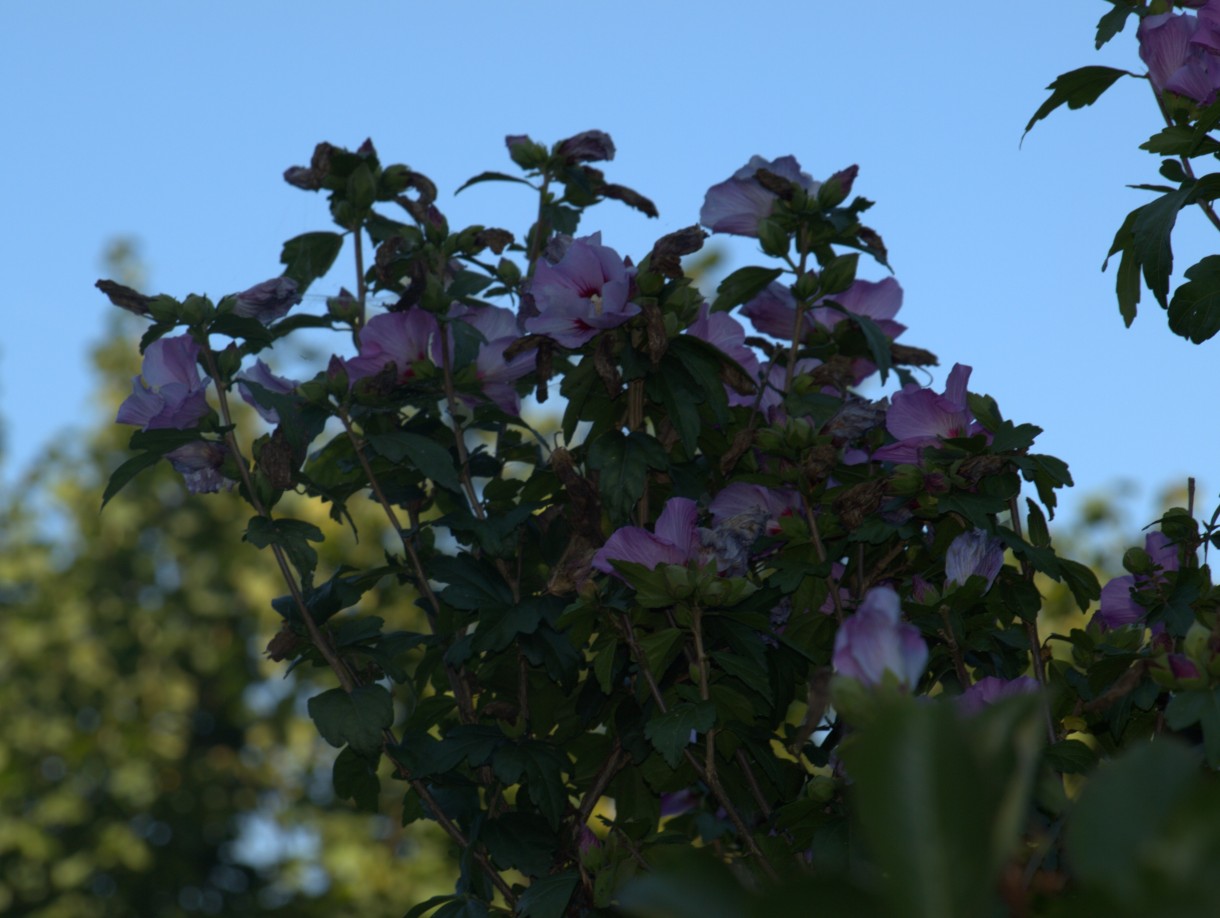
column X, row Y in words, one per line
column 151, row 764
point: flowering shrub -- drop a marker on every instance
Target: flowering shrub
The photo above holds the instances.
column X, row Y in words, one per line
column 732, row 605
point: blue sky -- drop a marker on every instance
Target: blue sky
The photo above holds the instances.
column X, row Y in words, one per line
column 173, row 122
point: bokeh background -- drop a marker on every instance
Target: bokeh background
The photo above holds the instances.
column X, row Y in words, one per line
column 151, row 763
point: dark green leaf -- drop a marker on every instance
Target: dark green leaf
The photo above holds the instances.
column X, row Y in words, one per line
column 467, row 283
column 497, row 627
column 126, row 472
column 293, row 536
column 928, row 807
column 1071, row 757
column 492, row 177
column 1200, row 707
column 878, row 343
column 1195, row 310
column 1123, row 809
column 341, row 591
column 1112, row 22
column 310, row 255
column 430, row 458
column 520, row 841
column 541, row 767
column 623, row 462
column 1077, row 89
column 671, row 732
column 355, row 778
column 250, row 330
column 1150, row 239
column 356, row 719
column 743, row 285
column 1180, row 140
column 472, row 585
column 548, row 897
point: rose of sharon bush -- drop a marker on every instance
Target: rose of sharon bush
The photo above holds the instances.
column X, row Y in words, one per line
column 168, row 393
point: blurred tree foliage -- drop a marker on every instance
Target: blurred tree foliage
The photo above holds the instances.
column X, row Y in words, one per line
column 152, row 762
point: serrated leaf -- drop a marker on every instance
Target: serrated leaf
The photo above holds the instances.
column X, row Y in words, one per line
column 355, row 778
column 342, row 591
column 520, row 841
column 539, row 767
column 356, row 719
column 670, row 733
column 661, row 649
column 623, row 462
column 1180, row 140
column 471, row 585
column 309, row 256
column 1076, row 89
column 432, row 460
column 1112, row 23
column 1195, row 310
column 548, row 897
column 293, row 536
column 742, row 285
column 1151, row 230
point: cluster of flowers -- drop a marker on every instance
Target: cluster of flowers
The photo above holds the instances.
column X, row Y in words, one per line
column 581, row 290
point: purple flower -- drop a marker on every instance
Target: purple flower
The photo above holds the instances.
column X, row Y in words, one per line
column 168, row 393
column 675, row 541
column 875, row 641
column 199, row 464
column 744, row 501
column 399, row 338
column 722, row 331
column 260, row 374
column 990, row 689
column 876, row 300
column 1118, row 605
column 739, row 204
column 741, row 512
column 1180, row 52
column 919, row 418
column 269, row 300
column 773, row 312
column 497, row 376
column 974, row 553
column 584, row 293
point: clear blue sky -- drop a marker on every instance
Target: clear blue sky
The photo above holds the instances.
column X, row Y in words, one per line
column 172, row 123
